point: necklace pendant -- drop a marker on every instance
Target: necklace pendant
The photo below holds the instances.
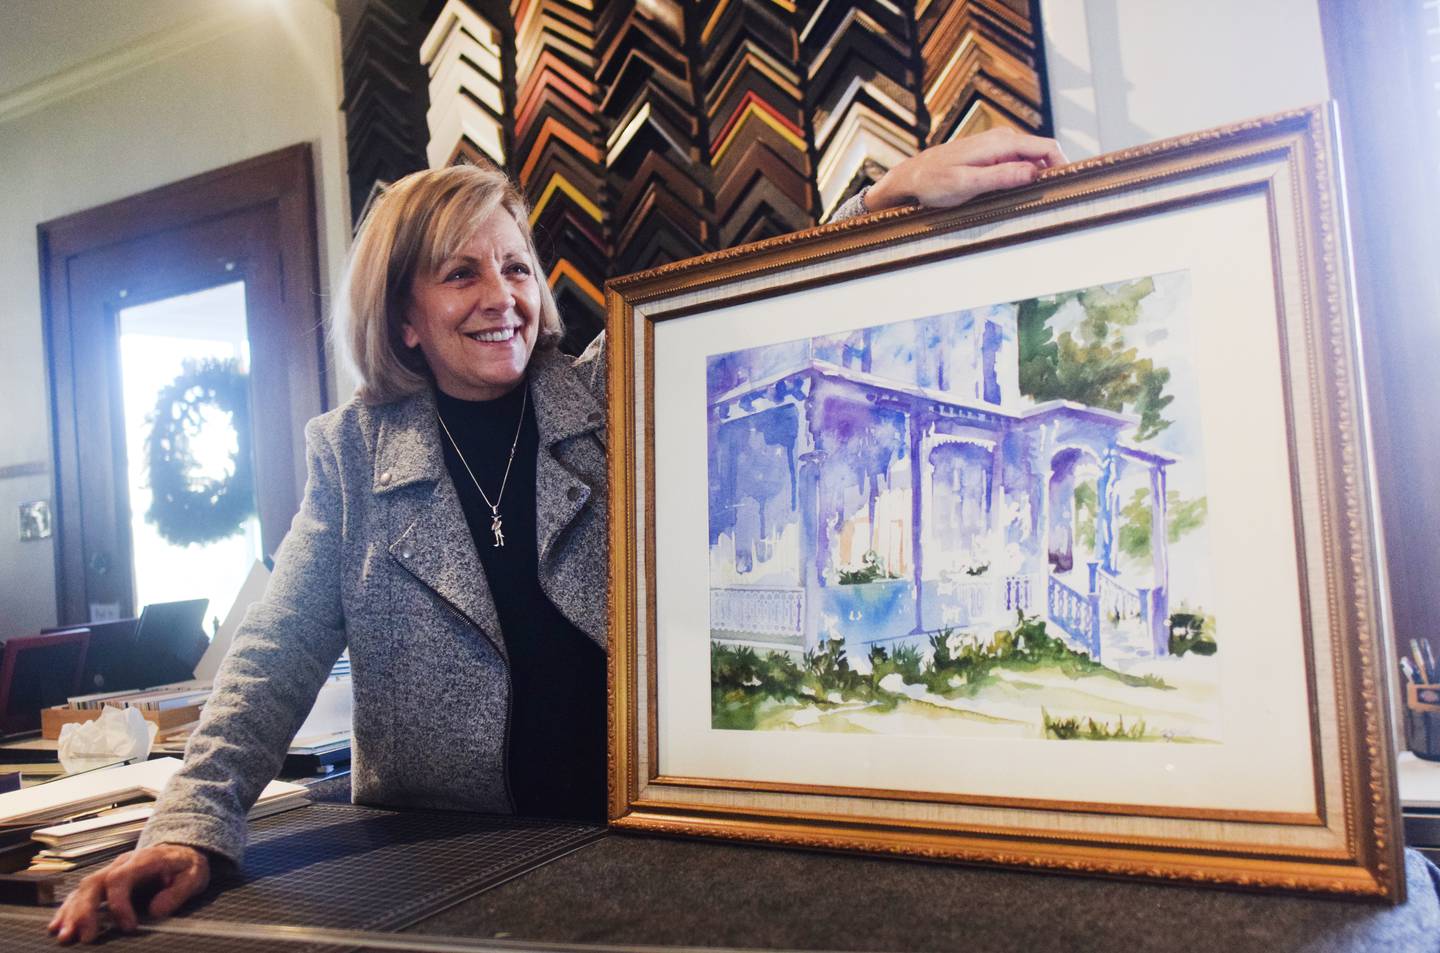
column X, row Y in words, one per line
column 495, row 528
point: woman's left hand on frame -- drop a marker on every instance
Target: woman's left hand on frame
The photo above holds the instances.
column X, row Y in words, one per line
column 957, row 171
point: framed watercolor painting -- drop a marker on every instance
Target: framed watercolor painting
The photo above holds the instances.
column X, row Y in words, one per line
column 1036, row 532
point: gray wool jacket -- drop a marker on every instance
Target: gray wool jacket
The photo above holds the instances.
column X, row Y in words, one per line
column 380, row 560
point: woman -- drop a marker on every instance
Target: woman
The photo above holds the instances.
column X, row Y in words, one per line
column 452, row 536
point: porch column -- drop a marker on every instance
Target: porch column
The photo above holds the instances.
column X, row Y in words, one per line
column 916, row 426
column 995, row 506
column 1107, row 505
column 814, row 544
column 1159, row 554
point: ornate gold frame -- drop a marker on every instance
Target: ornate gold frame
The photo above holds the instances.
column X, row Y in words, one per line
column 1294, row 152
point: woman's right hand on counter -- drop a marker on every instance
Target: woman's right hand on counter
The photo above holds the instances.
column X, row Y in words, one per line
column 172, row 872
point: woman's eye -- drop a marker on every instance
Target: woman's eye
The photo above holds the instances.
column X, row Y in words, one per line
column 457, row 274
column 518, row 269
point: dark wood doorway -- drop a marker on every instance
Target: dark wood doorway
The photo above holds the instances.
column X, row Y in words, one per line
column 249, row 227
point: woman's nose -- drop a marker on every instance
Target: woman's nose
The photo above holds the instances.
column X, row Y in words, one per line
column 494, row 291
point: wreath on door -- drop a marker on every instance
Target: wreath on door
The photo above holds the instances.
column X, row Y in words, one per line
column 188, row 507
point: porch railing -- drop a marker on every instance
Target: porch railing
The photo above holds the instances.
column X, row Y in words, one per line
column 758, row 610
column 972, row 598
column 1019, row 593
column 1116, row 601
column 1078, row 614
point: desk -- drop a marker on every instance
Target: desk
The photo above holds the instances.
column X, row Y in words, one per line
column 625, row 891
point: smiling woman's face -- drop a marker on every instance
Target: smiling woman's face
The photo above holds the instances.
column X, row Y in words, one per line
column 476, row 316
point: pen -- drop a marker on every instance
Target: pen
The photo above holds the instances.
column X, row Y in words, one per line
column 1419, row 660
column 1407, row 669
column 1432, row 674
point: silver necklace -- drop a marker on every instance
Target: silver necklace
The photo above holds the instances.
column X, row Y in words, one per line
column 494, row 507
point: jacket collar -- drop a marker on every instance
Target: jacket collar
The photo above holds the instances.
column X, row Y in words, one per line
column 408, row 447
column 564, row 407
column 437, row 547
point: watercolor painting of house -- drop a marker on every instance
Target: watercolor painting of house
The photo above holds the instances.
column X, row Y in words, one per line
column 991, row 484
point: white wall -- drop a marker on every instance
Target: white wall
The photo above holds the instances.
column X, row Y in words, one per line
column 262, row 77
column 1125, row 72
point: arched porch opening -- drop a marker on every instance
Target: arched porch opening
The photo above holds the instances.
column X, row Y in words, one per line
column 961, row 518
column 1073, row 510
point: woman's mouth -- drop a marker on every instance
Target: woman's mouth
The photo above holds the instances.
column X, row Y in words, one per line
column 498, row 336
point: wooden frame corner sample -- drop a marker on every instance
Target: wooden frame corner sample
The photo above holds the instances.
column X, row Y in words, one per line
column 1037, row 532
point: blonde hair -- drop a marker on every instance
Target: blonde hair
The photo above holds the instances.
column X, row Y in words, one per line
column 410, row 228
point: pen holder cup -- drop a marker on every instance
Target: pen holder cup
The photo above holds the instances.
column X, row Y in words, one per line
column 1422, row 720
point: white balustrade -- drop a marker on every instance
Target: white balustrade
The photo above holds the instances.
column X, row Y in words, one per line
column 758, row 611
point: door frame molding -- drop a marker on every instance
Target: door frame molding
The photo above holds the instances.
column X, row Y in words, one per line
column 283, row 180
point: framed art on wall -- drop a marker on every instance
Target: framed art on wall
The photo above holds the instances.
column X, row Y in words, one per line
column 1035, row 532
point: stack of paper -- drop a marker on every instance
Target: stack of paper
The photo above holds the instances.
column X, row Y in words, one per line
column 120, row 826
column 159, row 698
column 87, row 793
column 170, row 707
column 95, row 815
column 1419, row 781
column 324, row 735
column 96, row 838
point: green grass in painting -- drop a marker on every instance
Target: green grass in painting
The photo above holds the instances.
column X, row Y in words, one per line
column 744, row 683
column 1026, row 648
column 1088, row 729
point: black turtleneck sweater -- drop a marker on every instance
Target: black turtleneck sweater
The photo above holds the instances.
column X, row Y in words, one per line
column 556, row 748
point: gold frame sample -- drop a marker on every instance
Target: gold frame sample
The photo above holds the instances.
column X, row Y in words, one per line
column 1296, row 788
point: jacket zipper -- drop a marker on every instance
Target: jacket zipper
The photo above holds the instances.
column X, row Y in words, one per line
column 509, row 705
column 505, row 749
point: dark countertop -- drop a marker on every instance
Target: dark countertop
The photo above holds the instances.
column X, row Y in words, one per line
column 626, row 890
column 630, row 890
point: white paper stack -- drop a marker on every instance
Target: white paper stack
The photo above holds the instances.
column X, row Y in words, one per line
column 193, row 693
column 101, row 813
column 1419, row 781
column 96, row 838
column 83, row 794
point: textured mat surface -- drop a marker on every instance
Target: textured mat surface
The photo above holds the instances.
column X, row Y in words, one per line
column 628, row 890
column 357, row 868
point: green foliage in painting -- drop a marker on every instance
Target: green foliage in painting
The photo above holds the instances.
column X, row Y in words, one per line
column 739, row 675
column 742, row 680
column 906, row 662
column 872, row 569
column 1087, row 512
column 828, row 673
column 1191, row 632
column 940, row 648
column 1093, row 365
column 1181, row 516
column 1088, row 729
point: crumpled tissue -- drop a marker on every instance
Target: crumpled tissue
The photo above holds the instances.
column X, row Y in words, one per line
column 119, row 734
